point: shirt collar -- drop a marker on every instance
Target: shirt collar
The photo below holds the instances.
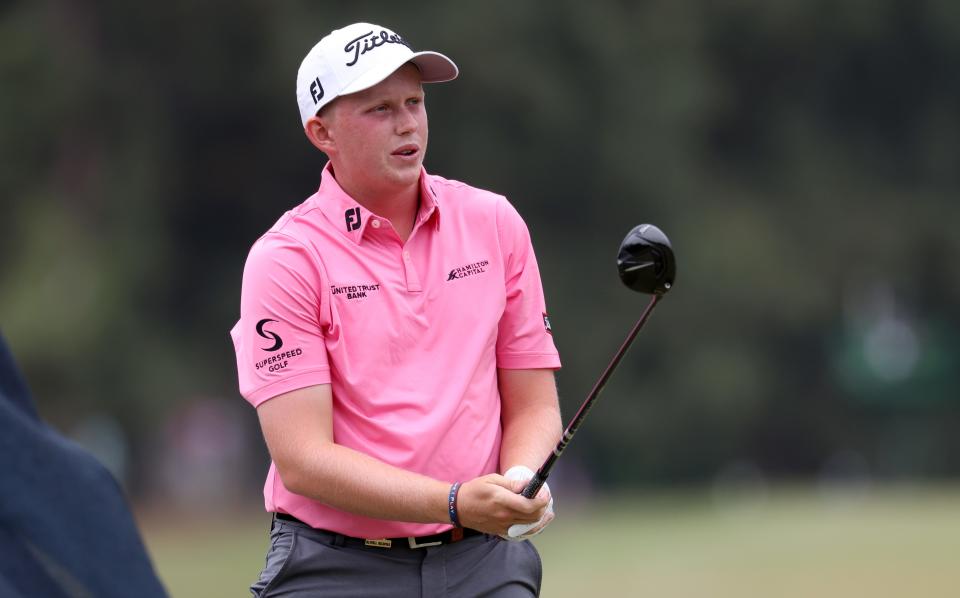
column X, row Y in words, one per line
column 429, row 200
column 353, row 220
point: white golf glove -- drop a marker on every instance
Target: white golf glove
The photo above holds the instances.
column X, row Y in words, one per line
column 523, row 531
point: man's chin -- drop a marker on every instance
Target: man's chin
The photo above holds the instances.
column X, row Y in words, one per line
column 407, row 174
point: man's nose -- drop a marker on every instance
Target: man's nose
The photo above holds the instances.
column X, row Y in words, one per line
column 406, row 122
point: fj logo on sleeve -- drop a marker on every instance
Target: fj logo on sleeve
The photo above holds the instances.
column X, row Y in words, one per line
column 353, row 219
column 546, row 324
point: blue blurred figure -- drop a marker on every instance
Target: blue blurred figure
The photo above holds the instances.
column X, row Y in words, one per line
column 65, row 528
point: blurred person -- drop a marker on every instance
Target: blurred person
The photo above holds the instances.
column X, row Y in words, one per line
column 394, row 340
column 65, row 528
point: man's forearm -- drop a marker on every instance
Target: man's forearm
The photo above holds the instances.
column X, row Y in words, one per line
column 530, row 417
column 352, row 481
column 298, row 428
column 357, row 483
column 528, row 440
column 299, row 433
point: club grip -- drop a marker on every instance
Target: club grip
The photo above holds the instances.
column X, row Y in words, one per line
column 534, row 485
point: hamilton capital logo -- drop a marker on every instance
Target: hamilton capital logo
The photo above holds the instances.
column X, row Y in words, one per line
column 316, row 90
column 352, row 217
column 468, row 270
column 277, row 341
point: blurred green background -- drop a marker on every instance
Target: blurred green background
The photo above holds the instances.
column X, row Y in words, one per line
column 792, row 543
column 803, row 157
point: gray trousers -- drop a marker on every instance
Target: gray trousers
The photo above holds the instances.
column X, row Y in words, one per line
column 303, row 561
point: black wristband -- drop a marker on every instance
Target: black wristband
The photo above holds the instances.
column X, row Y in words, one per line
column 452, row 504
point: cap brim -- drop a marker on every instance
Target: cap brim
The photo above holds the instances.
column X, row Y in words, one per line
column 434, row 68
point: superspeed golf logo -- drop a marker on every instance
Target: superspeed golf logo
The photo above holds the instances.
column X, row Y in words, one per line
column 277, row 341
column 277, row 361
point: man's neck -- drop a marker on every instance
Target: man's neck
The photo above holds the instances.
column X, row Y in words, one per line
column 400, row 207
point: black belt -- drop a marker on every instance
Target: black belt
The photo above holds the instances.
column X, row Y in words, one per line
column 448, row 537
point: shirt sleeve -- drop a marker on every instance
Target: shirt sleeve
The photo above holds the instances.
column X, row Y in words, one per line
column 524, row 337
column 279, row 340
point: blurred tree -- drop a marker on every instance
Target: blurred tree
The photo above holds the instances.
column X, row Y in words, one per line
column 790, row 149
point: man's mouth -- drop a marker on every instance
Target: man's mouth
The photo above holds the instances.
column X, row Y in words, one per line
column 406, row 150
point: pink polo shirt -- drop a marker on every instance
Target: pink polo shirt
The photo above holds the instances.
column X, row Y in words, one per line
column 409, row 335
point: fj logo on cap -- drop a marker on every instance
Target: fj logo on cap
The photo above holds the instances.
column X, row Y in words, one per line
column 352, row 217
column 371, row 41
column 316, row 90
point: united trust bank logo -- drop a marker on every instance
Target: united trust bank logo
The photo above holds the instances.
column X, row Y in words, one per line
column 355, row 292
column 468, row 270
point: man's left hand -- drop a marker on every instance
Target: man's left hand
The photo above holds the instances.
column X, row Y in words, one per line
column 521, row 531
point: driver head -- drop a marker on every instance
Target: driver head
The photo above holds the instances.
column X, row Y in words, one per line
column 645, row 261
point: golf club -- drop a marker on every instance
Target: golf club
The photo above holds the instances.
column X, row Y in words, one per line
column 646, row 265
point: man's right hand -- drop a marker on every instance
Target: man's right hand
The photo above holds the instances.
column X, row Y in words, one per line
column 492, row 503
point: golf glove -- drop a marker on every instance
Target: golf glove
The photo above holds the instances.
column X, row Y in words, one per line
column 522, row 531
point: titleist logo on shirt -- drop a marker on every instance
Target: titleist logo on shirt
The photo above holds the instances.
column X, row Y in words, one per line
column 371, row 41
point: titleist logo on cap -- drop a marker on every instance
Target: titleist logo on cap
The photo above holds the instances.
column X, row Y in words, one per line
column 336, row 65
column 371, row 41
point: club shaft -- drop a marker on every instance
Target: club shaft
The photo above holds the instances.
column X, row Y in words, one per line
column 541, row 475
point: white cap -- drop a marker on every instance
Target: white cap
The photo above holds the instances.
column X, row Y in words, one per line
column 357, row 57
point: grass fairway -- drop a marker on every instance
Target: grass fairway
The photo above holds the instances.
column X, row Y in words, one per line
column 894, row 542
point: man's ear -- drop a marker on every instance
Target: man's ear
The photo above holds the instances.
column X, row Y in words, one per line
column 318, row 134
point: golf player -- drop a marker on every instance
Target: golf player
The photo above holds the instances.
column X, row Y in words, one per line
column 394, row 340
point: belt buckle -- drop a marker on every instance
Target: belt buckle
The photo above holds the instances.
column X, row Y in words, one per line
column 378, row 542
column 412, row 541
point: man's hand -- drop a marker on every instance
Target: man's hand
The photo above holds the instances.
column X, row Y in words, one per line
column 524, row 531
column 492, row 504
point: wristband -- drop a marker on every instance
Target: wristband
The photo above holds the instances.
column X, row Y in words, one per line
column 452, row 504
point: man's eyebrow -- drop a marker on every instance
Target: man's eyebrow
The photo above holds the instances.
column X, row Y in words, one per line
column 376, row 100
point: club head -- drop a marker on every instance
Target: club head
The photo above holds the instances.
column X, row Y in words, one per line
column 645, row 261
